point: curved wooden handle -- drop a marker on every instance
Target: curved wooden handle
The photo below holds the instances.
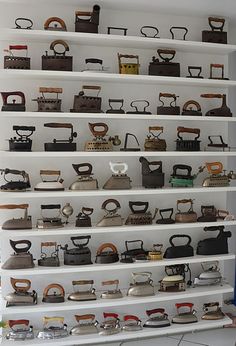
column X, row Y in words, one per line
column 167, row 95
column 61, row 42
column 59, row 125
column 91, row 87
column 155, row 128
column 128, row 56
column 217, row 65
column 184, row 201
column 111, row 200
column 110, row 282
column 18, row 47
column 50, row 90
column 54, row 19
column 57, row 286
column 49, row 172
column 25, row 288
column 107, row 246
column 211, row 96
column 188, row 130
column 191, row 102
column 87, row 211
column 84, row 317
column 48, row 243
column 83, row 13
column 155, row 311
column 216, row 19
column 101, row 133
column 14, row 206
column 210, row 167
column 166, row 51
column 13, row 323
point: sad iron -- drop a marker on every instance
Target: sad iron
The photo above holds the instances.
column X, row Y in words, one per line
column 185, row 216
column 152, row 178
column 13, row 106
column 83, row 219
column 83, row 295
column 99, row 143
column 20, row 223
column 110, row 325
column 58, row 295
column 53, row 328
column 80, row 254
column 23, row 142
column 153, row 142
column 140, row 216
column 50, row 222
column 172, row 109
column 165, row 67
column 185, row 317
column 210, row 276
column 192, row 107
column 216, row 34
column 87, row 324
column 126, row 148
column 49, row 104
column 141, row 288
column 223, row 111
column 18, row 185
column 115, row 110
column 180, row 179
column 157, row 318
column 110, row 256
column 61, row 144
column 21, row 295
column 217, row 177
column 219, row 67
column 145, row 104
column 132, row 323
column 212, row 312
column 48, row 184
column 85, row 180
column 165, row 220
column 119, row 178
column 112, row 293
column 156, row 254
column 21, row 258
column 175, row 279
column 209, row 214
column 53, row 259
column 183, row 144
column 136, row 254
column 55, row 27
column 20, row 330
column 111, row 217
column 220, row 144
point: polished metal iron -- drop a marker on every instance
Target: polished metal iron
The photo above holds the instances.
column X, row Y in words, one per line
column 58, row 61
column 87, row 24
column 85, row 181
column 135, row 254
column 53, row 259
column 16, row 105
column 211, row 275
column 111, row 218
column 216, row 34
column 99, row 143
column 212, row 311
column 110, row 28
column 53, row 328
column 165, row 220
column 119, row 179
column 126, row 147
column 182, row 28
column 186, row 317
column 185, row 216
column 109, row 256
column 80, row 254
column 51, row 24
column 23, row 142
column 174, row 281
column 218, row 144
column 49, row 104
column 140, row 216
column 20, row 330
column 132, row 323
column 152, row 178
column 21, row 295
column 223, row 111
column 15, row 185
column 114, row 293
column 219, row 67
column 47, row 184
column 192, row 69
column 172, row 109
column 17, row 223
column 87, row 324
column 110, row 325
column 192, row 107
column 157, row 318
column 116, row 110
column 127, row 67
column 16, row 62
column 95, row 65
column 179, row 179
column 187, row 144
column 67, row 211
column 61, row 144
column 141, row 288
column 165, row 67
column 83, row 219
column 218, row 176
column 137, row 107
column 153, row 142
column 58, row 295
column 26, row 26
column 209, row 214
column 83, row 295
column 156, row 253
column 87, row 103
column 149, row 30
column 21, row 258
column 46, row 222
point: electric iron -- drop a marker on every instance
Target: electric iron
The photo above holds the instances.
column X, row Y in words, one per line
column 218, row 176
column 58, row 295
column 212, row 311
column 111, row 293
column 54, row 184
column 119, row 178
column 111, row 218
column 20, row 330
column 21, row 258
column 86, row 325
column 210, row 276
column 83, row 295
column 53, row 328
column 19, row 223
column 174, row 281
column 110, row 325
column 141, row 288
column 185, row 317
column 53, row 259
column 83, row 219
column 15, row 186
column 132, row 323
column 157, row 318
column 21, row 295
column 85, row 180
column 80, row 254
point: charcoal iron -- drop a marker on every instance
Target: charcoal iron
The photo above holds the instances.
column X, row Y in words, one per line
column 16, row 62
column 165, row 67
column 172, row 109
column 21, row 295
column 216, row 34
column 87, row 324
column 46, row 222
column 47, row 184
column 80, row 254
column 186, row 317
column 14, row 105
column 21, row 258
column 87, row 103
column 187, row 144
column 223, row 111
column 157, row 318
column 53, row 328
column 165, row 220
column 58, row 61
column 110, row 325
column 83, row 219
column 123, row 30
column 140, row 216
column 179, row 179
column 191, row 70
column 153, row 142
column 211, row 275
column 132, row 323
column 126, row 147
column 19, row 223
column 25, row 26
column 176, row 251
column 156, row 253
column 131, row 255
column 138, row 109
column 111, row 293
column 116, row 110
column 214, row 246
column 23, row 142
column 58, row 295
column 53, row 259
column 174, row 281
column 99, row 143
column 192, row 107
column 61, row 144
column 149, row 30
column 219, row 67
column 110, row 256
column 218, row 176
column 127, row 67
column 83, row 295
column 87, row 24
column 141, row 288
column 111, row 218
column 95, row 65
column 119, row 179
column 183, row 28
column 185, row 216
column 51, row 24
column 20, row 330
column 15, row 185
column 152, row 178
column 218, row 144
column 209, row 214
column 212, row 311
column 85, row 180
column 49, row 104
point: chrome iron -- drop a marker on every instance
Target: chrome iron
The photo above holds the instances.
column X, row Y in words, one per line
column 47, row 184
column 83, row 219
column 172, row 109
column 61, row 144
column 110, row 325
column 119, row 179
column 141, row 288
column 20, row 330
column 21, row 258
column 80, row 254
column 85, row 181
column 111, row 293
column 14, row 105
column 53, row 259
column 211, row 275
column 132, row 323
column 152, row 178
column 87, row 324
column 49, row 104
column 157, row 318
column 153, row 142
column 111, row 217
column 58, row 295
column 15, row 185
column 185, row 317
column 212, row 311
column 83, row 295
column 53, row 328
column 17, row 223
column 23, row 142
column 99, row 143
column 140, row 216
column 21, row 295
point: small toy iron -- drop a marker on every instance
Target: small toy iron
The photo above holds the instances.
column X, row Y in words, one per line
column 128, row 67
column 185, row 216
column 58, row 295
column 49, row 104
column 83, row 219
column 172, row 109
column 47, row 184
column 165, row 220
column 132, row 323
column 192, row 107
column 185, row 317
column 219, row 67
column 153, row 142
column 55, row 27
column 110, row 256
column 209, row 214
column 223, row 111
column 119, row 179
column 216, row 34
column 53, row 259
column 16, row 62
column 21, row 258
column 195, row 68
column 21, row 295
column 126, row 147
column 157, row 318
column 14, row 105
column 152, row 178
column 17, row 223
column 112, row 110
column 135, row 254
column 58, row 61
column 111, row 293
column 17, row 185
column 23, row 142
column 80, row 254
column 212, row 311
column 218, row 144
column 141, row 288
column 165, row 67
column 140, row 216
column 99, row 143
column 61, row 144
column 53, row 328
column 20, row 330
column 174, row 281
column 178, row 28
column 88, row 24
column 218, row 176
column 83, row 295
column 134, row 104
column 85, row 180
column 95, row 65
column 187, row 144
column 87, row 103
column 156, row 253
column 178, row 179
column 211, row 275
column 25, row 26
column 111, row 218
column 46, row 222
column 87, row 324
column 214, row 246
column 110, row 325
column 149, row 30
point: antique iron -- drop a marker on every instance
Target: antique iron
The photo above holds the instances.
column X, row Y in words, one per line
column 110, row 325
column 87, row 324
column 219, row 144
column 114, row 293
column 136, row 105
column 95, row 65
column 192, row 107
column 149, row 28
column 212, row 311
column 128, row 67
column 156, row 253
column 99, row 143
column 224, row 215
column 111, row 218
column 178, row 28
column 83, row 295
column 23, row 142
column 185, row 216
column 187, row 144
column 192, row 69
column 58, row 61
column 223, row 111
column 85, row 181
column 131, row 255
column 152, row 178
column 172, row 109
column 49, row 104
column 126, row 147
column 80, row 254
column 179, row 179
column 83, row 219
column 16, row 62
column 157, row 318
column 219, row 67
column 211, row 275
column 53, row 328
column 87, row 103
column 214, row 246
column 13, row 106
column 188, row 316
column 17, row 223
column 110, row 28
column 177, row 251
column 46, row 222
column 87, row 24
column 153, row 142
column 47, row 184
column 67, row 211
column 216, row 34
column 58, row 295
column 20, row 330
column 165, row 220
column 119, row 179
column 26, row 26
column 55, row 27
column 141, row 288
column 53, row 259
column 165, row 67
column 132, row 323
column 15, row 185
column 110, row 256
column 174, row 281
column 21, row 258
column 140, row 216
column 218, row 176
column 116, row 110
column 61, row 144
column 21, row 295
column 209, row 214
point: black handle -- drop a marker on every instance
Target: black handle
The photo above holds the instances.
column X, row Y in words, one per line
column 180, row 236
column 162, row 211
column 214, row 228
column 18, row 26
column 182, row 167
column 77, row 168
column 93, row 61
column 133, row 241
column 138, row 204
column 14, row 244
column 149, row 27
column 50, row 206
column 78, row 238
column 23, row 128
column 178, row 28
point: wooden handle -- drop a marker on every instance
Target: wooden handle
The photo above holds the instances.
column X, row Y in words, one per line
column 216, row 19
column 110, row 282
column 83, row 282
column 184, row 201
column 49, row 172
column 101, row 133
column 48, row 243
column 191, row 102
column 53, row 319
column 14, row 206
column 49, row 287
column 18, row 47
column 61, row 42
column 54, row 19
column 188, row 130
column 59, row 125
column 91, row 87
column 128, row 56
column 167, row 95
column 83, row 13
column 50, row 90
column 13, row 323
column 211, row 96
column 155, row 128
column 107, row 246
column 84, row 317
column 25, row 288
column 217, row 65
column 111, row 200
column 210, row 167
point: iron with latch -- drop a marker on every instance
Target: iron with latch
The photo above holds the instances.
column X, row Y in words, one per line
column 22, row 295
column 136, row 105
column 185, row 216
column 214, row 246
column 17, row 223
column 23, row 142
column 58, row 61
column 128, row 67
column 83, row 295
column 15, row 185
column 152, row 178
column 188, row 316
column 141, row 288
column 114, row 293
column 53, row 328
column 187, row 144
column 140, row 216
column 83, row 219
column 99, row 142
column 55, row 24
column 223, row 111
column 109, row 256
column 87, row 103
column 119, row 179
column 61, row 144
column 172, row 109
column 14, row 105
column 87, row 21
column 80, row 254
column 49, row 104
column 20, row 330
column 58, row 295
column 132, row 323
column 16, row 62
column 87, row 324
column 216, row 34
column 192, row 107
column 165, row 67
column 157, row 318
column 51, row 260
column 110, row 325
column 111, row 218
column 21, row 258
column 153, row 142
column 210, row 275
column 167, row 219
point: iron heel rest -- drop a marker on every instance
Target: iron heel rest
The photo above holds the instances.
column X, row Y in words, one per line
column 49, row 104
column 214, row 246
column 87, row 103
column 212, row 311
column 87, row 324
column 136, row 254
column 192, row 107
column 217, row 67
column 19, row 185
column 140, row 216
column 156, row 254
column 23, row 142
column 58, row 295
column 152, row 178
column 165, row 67
column 172, row 109
column 157, row 318
column 211, row 275
column 116, row 110
column 110, row 325
column 165, row 220
column 47, row 184
column 179, row 179
column 150, row 28
column 218, row 177
column 195, row 75
column 141, row 288
column 110, row 256
column 53, row 328
column 111, row 293
column 16, row 62
column 83, row 219
column 53, row 259
column 20, row 330
column 216, row 34
column 21, row 258
column 185, row 216
column 85, row 180
column 127, row 67
column 61, row 144
column 137, row 110
column 50, row 222
column 99, row 143
column 223, row 111
column 111, row 217
column 178, row 251
column 83, row 295
column 187, row 144
column 55, row 27
column 95, row 65
column 26, row 26
column 58, row 61
column 185, row 317
column 19, row 223
column 132, row 323
column 14, row 105
column 174, row 281
column 209, row 214
column 126, row 147
column 87, row 24
column 153, row 142
column 21, row 295
column 220, row 144
column 81, row 254
column 119, row 179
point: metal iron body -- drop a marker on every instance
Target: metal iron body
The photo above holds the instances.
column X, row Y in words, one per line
column 23, row 142
column 87, row 324
column 157, row 318
column 116, row 110
column 175, row 279
column 216, row 34
column 17, row 223
column 58, row 295
column 192, row 107
column 16, row 62
column 21, row 295
column 176, row 251
column 46, row 222
column 119, row 179
column 172, row 109
column 20, row 330
column 87, row 24
column 136, row 105
column 87, row 103
column 210, row 276
column 153, row 142
column 81, row 254
column 168, row 219
column 182, row 180
column 53, row 259
column 185, row 216
column 83, row 219
column 15, row 185
column 53, row 328
column 156, row 253
column 111, row 217
column 49, row 104
column 223, row 111
column 83, row 295
column 55, row 26
column 214, row 246
column 140, row 216
column 47, row 184
column 132, row 323
column 185, row 317
column 13, row 106
column 187, row 144
column 110, row 325
column 21, row 258
column 141, row 288
column 110, row 256
column 99, row 143
column 126, row 147
column 217, row 177
column 127, row 67
column 209, row 214
column 61, row 144
column 165, row 67
column 58, row 61
column 114, row 293
column 85, row 181
column 212, row 311
column 152, row 178
column 131, row 255
column 191, row 75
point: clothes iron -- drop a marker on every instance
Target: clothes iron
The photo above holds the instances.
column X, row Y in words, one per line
column 156, row 253
column 88, row 24
column 178, row 179
column 61, row 144
column 53, row 259
column 85, row 180
column 99, row 143
column 172, row 109
column 209, row 214
column 119, row 179
column 123, row 30
column 58, row 296
column 49, row 104
column 25, row 26
column 153, row 142
column 210, row 276
column 216, row 34
column 116, row 110
column 86, row 325
column 46, row 222
column 177, row 251
column 219, row 67
column 134, row 104
column 140, row 216
column 149, row 28
column 87, row 103
column 111, row 218
column 214, row 246
column 19, row 223
column 223, row 111
column 218, row 177
column 192, row 107
column 212, row 311
column 152, row 178
column 14, row 105
column 128, row 67
column 95, row 65
column 16, row 62
column 55, row 27
column 187, row 144
column 53, row 328
column 104, row 257
column 81, row 254
column 131, row 255
column 165, row 67
column 141, row 288
column 110, row 325
column 56, row 184
column 187, row 216
column 58, row 61
column 195, row 68
column 185, row 317
column 112, row 293
column 20, row 330
column 18, row 185
column 83, row 219
column 174, row 281
column 83, row 295
column 220, row 144
column 165, row 220
column 126, row 147
column 132, row 323
column 21, row 258
column 224, row 215
column 21, row 295
column 157, row 318
column 23, row 142
column 178, row 28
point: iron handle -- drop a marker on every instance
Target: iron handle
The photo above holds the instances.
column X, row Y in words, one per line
column 93, row 61
column 181, row 129
column 51, row 286
column 53, row 319
column 50, row 90
column 101, row 133
column 185, row 201
column 155, row 128
column 133, row 241
column 17, row 288
column 216, row 20
column 108, row 201
column 182, row 167
column 23, row 128
column 26, row 20
column 155, row 311
column 91, row 87
column 138, row 204
column 82, row 237
column 5, row 95
column 163, row 52
column 104, row 246
column 180, row 236
column 13, row 323
column 14, row 244
column 14, row 206
column 116, row 101
column 180, row 305
column 211, row 96
column 167, row 95
column 84, row 317
column 59, row 42
column 149, row 27
column 50, row 206
column 178, row 28
column 131, row 317
column 48, row 243
column 216, row 136
column 218, row 167
column 83, row 13
column 82, row 282
column 128, row 56
column 18, row 47
column 214, row 228
column 208, row 209
column 59, row 125
column 77, row 168
column 87, row 211
column 191, row 102
column 54, row 19
column 132, row 104
column 110, row 314
column 110, row 282
column 162, row 211
column 49, row 172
